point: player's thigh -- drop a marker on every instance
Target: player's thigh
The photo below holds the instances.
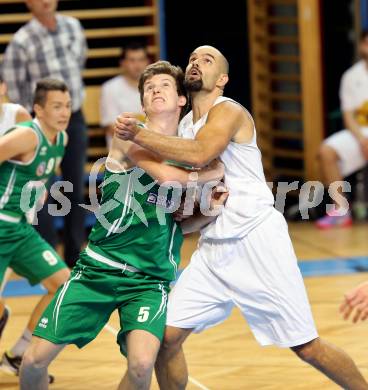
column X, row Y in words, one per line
column 10, row 240
column 36, row 260
column 144, row 309
column 80, row 308
column 199, row 299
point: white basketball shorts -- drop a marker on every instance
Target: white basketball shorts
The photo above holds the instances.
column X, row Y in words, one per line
column 258, row 274
column 348, row 149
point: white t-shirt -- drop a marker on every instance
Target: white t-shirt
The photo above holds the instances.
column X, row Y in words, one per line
column 8, row 116
column 118, row 96
column 354, row 87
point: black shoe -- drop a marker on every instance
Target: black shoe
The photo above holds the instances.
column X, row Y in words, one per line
column 11, row 365
column 4, row 319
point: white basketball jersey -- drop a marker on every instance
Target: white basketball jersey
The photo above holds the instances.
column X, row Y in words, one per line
column 8, row 115
column 250, row 200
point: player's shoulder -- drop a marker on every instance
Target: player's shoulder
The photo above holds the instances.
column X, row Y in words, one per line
column 24, row 132
column 226, row 106
column 26, row 126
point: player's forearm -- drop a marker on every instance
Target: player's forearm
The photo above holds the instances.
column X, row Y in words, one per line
column 195, row 223
column 172, row 148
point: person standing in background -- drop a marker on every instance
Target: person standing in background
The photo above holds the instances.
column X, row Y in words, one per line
column 10, row 113
column 346, row 151
column 120, row 94
column 54, row 45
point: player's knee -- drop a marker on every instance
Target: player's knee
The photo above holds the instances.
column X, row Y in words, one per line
column 140, row 369
column 308, row 352
column 32, row 360
column 173, row 339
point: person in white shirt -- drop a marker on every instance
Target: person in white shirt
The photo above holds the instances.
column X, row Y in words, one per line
column 120, row 94
column 346, row 151
column 10, row 113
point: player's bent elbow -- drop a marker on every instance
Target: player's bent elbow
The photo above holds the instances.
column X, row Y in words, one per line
column 198, row 161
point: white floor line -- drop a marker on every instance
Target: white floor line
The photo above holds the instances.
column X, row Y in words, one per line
column 114, row 331
column 196, row 383
column 111, row 329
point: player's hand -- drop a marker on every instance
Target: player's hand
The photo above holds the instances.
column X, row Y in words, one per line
column 356, row 303
column 364, row 147
column 126, row 126
column 218, row 198
column 179, row 215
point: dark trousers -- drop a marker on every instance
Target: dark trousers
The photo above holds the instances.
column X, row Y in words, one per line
column 72, row 168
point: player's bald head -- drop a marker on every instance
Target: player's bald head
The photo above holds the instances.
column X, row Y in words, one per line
column 216, row 53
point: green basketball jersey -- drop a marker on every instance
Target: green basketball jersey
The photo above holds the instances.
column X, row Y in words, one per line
column 19, row 181
column 135, row 226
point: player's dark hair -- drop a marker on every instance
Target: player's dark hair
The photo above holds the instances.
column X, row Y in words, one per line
column 133, row 46
column 46, row 85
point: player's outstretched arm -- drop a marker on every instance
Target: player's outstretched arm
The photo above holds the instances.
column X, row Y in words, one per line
column 222, row 124
column 17, row 143
column 167, row 174
column 356, row 303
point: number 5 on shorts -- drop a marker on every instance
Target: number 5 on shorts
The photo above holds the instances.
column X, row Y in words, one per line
column 143, row 314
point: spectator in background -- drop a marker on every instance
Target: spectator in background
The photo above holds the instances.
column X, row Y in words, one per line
column 120, row 94
column 54, row 45
column 10, row 113
column 346, row 151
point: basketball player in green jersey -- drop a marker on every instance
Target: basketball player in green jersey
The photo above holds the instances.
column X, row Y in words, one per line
column 10, row 114
column 133, row 250
column 29, row 154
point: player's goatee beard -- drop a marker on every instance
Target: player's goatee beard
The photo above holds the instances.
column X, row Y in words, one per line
column 193, row 85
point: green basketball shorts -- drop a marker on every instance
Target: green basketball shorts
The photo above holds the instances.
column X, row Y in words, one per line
column 82, row 307
column 27, row 253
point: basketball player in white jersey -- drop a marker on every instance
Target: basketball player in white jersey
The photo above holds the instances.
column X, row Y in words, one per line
column 245, row 257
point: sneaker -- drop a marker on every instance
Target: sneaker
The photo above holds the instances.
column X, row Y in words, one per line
column 11, row 365
column 333, row 219
column 4, row 319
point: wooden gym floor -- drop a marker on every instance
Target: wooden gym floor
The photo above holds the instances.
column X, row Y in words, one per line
column 227, row 357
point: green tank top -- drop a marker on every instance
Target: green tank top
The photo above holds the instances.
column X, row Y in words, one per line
column 134, row 224
column 19, row 181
